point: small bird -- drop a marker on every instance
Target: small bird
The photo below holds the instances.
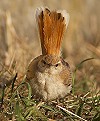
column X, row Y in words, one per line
column 48, row 74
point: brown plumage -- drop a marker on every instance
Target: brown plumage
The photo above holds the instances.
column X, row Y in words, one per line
column 48, row 74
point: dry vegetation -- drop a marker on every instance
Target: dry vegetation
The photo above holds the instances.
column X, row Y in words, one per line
column 19, row 43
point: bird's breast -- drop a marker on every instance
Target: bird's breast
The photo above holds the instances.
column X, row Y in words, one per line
column 52, row 85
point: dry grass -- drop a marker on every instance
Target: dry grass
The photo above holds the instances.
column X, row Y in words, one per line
column 19, row 43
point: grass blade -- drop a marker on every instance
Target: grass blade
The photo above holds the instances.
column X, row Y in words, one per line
column 19, row 115
column 13, row 82
column 69, row 112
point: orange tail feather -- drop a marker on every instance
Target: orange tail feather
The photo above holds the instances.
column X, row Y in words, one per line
column 52, row 25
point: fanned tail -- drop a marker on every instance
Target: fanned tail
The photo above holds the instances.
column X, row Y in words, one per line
column 52, row 25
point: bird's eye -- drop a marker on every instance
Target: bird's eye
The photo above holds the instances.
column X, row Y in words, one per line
column 57, row 65
column 43, row 62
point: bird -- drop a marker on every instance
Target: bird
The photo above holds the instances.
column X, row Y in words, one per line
column 48, row 74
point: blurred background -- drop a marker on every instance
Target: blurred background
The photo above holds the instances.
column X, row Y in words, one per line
column 19, row 38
